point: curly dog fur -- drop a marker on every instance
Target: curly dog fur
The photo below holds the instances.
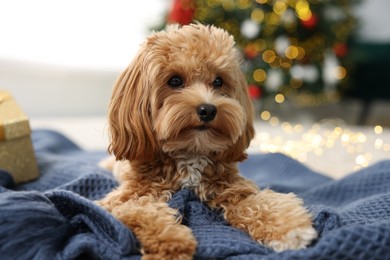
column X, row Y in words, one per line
column 180, row 117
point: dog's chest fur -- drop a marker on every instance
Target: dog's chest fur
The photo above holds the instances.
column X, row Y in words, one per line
column 191, row 168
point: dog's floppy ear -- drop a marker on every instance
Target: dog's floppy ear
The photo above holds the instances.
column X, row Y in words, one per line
column 131, row 130
column 237, row 151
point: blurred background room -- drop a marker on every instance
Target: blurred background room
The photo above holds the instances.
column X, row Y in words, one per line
column 318, row 71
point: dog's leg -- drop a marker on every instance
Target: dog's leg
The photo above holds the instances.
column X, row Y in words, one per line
column 154, row 223
column 276, row 220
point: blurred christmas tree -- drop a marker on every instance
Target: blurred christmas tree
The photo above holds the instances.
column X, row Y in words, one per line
column 291, row 48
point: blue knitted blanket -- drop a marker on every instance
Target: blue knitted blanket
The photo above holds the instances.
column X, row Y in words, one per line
column 54, row 217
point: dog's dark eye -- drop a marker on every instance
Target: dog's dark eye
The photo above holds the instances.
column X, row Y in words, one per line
column 175, row 82
column 218, row 82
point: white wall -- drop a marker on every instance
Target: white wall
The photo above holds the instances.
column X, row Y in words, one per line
column 54, row 90
column 374, row 19
column 62, row 57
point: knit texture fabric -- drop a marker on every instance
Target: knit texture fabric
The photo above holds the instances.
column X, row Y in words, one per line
column 54, row 217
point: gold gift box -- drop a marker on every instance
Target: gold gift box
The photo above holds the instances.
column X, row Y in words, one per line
column 16, row 150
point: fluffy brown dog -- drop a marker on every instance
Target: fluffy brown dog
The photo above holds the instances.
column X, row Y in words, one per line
column 180, row 117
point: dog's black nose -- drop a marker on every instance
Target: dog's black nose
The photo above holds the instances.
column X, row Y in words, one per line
column 206, row 112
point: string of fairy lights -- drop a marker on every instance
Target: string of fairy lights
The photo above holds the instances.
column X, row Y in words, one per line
column 290, row 47
column 303, row 141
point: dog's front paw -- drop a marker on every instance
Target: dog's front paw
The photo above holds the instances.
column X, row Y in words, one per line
column 157, row 228
column 274, row 219
column 174, row 242
column 289, row 224
column 297, row 238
